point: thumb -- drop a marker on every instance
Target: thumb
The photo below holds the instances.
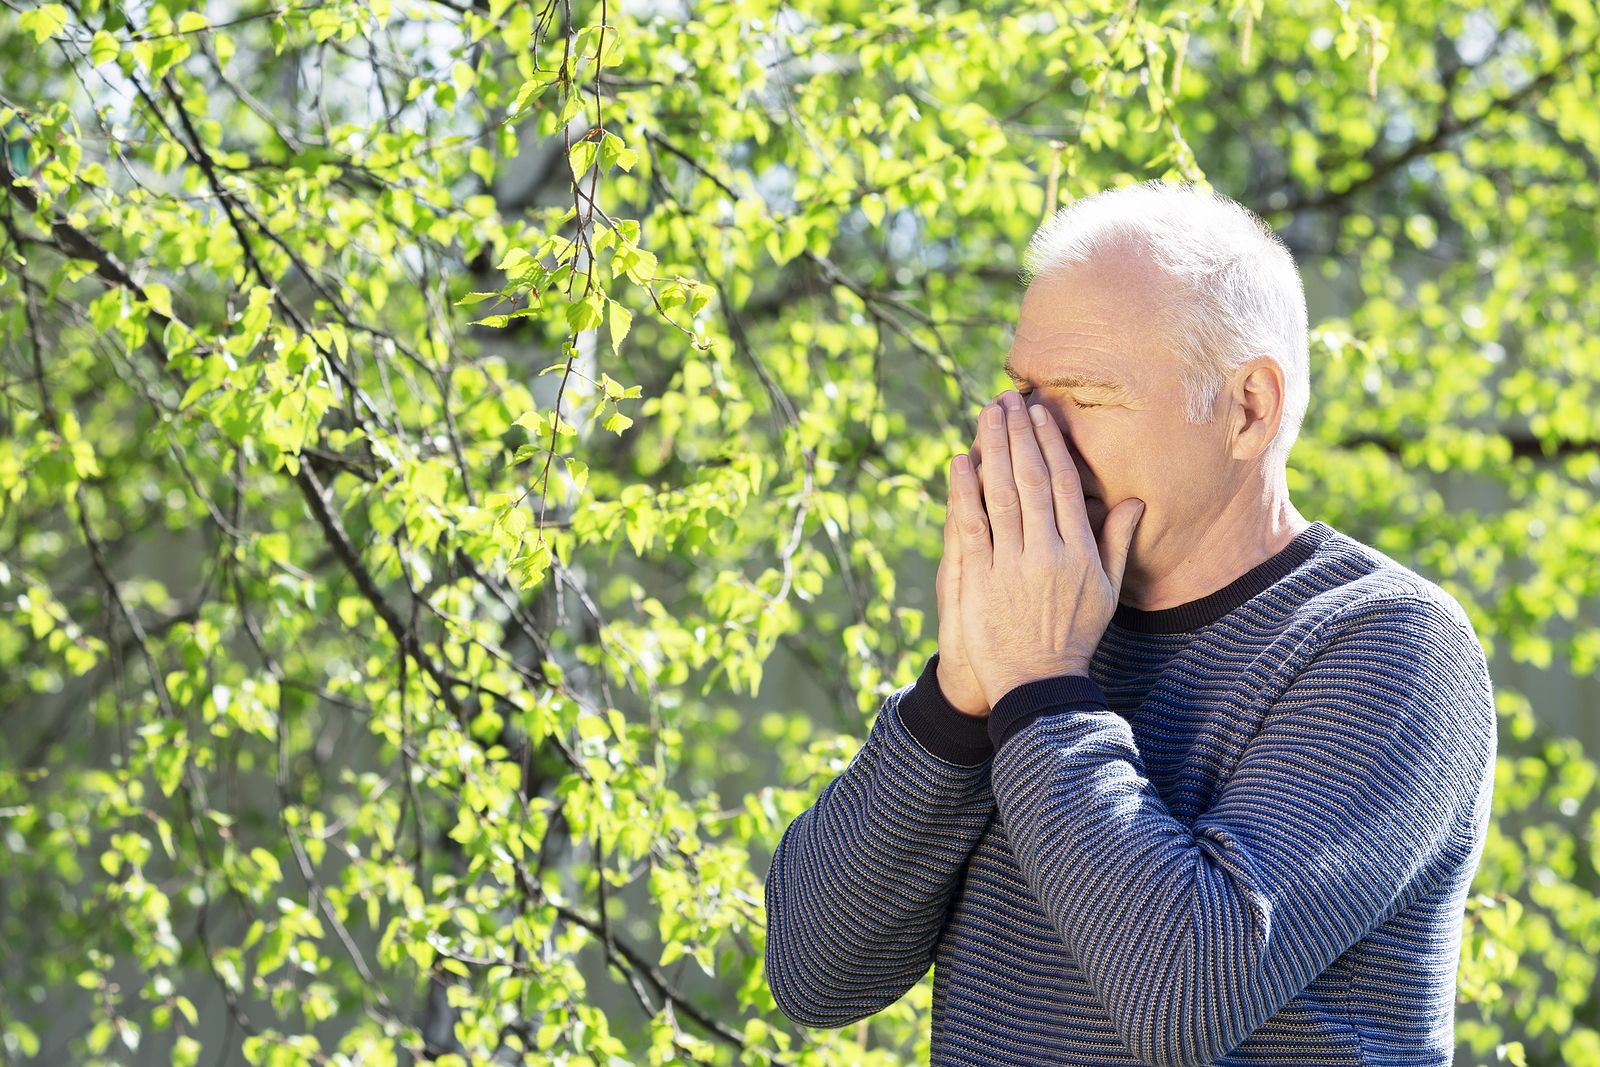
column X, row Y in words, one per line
column 1117, row 538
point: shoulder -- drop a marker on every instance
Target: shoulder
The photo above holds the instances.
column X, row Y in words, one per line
column 1372, row 625
column 1360, row 587
column 1403, row 651
column 1391, row 593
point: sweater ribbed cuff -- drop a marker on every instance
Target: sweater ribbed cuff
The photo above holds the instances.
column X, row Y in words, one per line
column 1032, row 699
column 940, row 727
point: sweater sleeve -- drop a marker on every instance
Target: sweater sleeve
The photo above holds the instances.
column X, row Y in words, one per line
column 1368, row 781
column 860, row 881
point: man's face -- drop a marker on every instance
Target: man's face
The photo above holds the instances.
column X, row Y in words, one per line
column 1087, row 350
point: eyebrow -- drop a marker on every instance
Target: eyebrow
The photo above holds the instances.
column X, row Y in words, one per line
column 1068, row 381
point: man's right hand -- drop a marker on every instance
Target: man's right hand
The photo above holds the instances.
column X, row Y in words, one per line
column 955, row 677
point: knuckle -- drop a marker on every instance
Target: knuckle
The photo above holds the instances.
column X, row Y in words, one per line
column 1002, row 497
column 1033, row 477
column 974, row 527
column 1064, row 482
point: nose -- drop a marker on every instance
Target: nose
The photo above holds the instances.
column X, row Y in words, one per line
column 1065, row 427
column 1056, row 416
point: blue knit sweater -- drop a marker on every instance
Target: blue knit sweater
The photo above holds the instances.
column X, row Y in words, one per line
column 1245, row 836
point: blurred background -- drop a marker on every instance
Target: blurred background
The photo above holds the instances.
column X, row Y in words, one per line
column 471, row 473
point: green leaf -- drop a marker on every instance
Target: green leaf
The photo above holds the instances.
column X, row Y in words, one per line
column 514, row 260
column 325, row 22
column 44, row 21
column 584, row 313
column 614, row 152
column 159, row 297
column 481, row 163
column 621, row 322
column 268, row 863
column 582, row 156
column 104, row 47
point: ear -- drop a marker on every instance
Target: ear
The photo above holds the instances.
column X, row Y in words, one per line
column 1255, row 396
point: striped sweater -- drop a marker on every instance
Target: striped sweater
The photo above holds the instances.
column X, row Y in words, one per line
column 1245, row 836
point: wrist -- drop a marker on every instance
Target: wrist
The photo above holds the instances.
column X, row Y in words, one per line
column 944, row 732
column 968, row 704
column 1004, row 686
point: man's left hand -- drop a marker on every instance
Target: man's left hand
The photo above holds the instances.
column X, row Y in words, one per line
column 1037, row 590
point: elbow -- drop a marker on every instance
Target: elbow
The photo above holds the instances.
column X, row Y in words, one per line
column 792, row 998
column 1171, row 1043
column 1167, row 1029
column 805, row 1005
column 827, row 973
column 808, row 999
column 1197, row 1005
column 807, row 986
column 791, row 967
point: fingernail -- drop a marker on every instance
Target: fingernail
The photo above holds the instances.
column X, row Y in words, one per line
column 1037, row 414
column 963, row 464
column 995, row 416
column 1010, row 399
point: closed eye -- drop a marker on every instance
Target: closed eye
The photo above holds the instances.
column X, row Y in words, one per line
column 1027, row 391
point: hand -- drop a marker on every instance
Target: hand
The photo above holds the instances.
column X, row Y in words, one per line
column 956, row 680
column 1037, row 590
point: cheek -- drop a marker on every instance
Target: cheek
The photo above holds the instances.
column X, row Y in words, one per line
column 1102, row 450
column 1091, row 437
column 1074, row 425
column 1118, row 461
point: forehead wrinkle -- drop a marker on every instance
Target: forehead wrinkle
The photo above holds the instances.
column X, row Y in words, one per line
column 1070, row 332
column 1069, row 381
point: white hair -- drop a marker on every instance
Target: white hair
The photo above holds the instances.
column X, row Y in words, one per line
column 1238, row 291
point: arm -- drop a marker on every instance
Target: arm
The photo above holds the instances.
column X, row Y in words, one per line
column 1366, row 783
column 860, row 881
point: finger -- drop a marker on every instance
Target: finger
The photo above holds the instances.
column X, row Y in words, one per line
column 975, row 457
column 948, row 584
column 950, row 562
column 978, row 472
column 952, row 543
column 1031, row 475
column 971, row 521
column 1066, row 488
column 1001, row 503
column 976, row 452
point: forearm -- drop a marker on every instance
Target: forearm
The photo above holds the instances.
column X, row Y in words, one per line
column 860, row 881
column 1353, row 798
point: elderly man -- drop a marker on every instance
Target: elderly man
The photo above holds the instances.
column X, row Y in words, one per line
column 1190, row 779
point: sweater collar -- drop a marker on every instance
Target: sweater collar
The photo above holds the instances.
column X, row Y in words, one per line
column 1208, row 609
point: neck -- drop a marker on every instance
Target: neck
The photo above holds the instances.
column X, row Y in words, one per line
column 1202, row 555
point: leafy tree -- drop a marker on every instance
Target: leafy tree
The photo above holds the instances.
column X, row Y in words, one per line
column 426, row 422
